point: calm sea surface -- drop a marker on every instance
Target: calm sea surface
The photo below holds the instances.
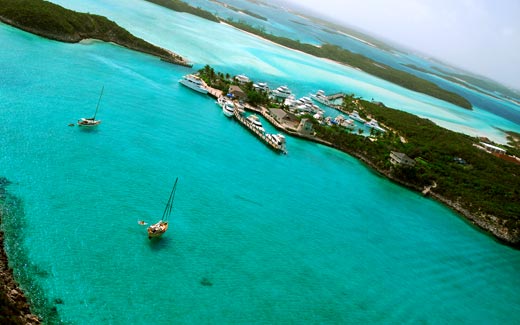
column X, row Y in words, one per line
column 255, row 237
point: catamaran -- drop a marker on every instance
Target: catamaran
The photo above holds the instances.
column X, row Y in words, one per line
column 159, row 228
column 91, row 121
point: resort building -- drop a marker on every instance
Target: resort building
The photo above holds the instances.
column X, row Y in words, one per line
column 237, row 92
column 400, row 159
column 305, row 127
column 492, row 149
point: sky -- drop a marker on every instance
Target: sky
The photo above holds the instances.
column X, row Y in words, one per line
column 481, row 36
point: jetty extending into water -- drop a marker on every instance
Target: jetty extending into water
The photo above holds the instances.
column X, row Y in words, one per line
column 266, row 138
column 273, row 141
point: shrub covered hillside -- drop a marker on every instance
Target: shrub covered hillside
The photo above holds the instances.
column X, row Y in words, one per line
column 55, row 22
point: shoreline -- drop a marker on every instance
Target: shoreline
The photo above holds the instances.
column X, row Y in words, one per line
column 487, row 223
column 169, row 56
column 14, row 307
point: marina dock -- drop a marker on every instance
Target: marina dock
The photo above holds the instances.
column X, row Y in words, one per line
column 265, row 113
column 259, row 134
column 265, row 138
column 214, row 92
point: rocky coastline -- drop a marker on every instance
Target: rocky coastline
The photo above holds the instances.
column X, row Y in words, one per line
column 14, row 308
column 493, row 225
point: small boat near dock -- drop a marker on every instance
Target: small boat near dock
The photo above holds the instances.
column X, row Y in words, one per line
column 194, row 82
column 228, row 107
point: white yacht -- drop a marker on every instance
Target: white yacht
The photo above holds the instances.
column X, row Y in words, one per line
column 374, row 125
column 261, row 86
column 348, row 123
column 320, row 97
column 305, row 104
column 290, row 101
column 228, row 108
column 281, row 92
column 277, row 139
column 242, row 78
column 355, row 116
column 256, row 122
column 194, row 82
column 306, row 100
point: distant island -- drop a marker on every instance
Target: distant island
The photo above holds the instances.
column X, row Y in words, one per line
column 338, row 54
column 468, row 82
column 383, row 71
column 52, row 21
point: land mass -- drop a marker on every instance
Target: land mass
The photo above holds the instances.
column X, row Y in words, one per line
column 452, row 166
column 341, row 55
column 52, row 21
column 244, row 11
column 457, row 80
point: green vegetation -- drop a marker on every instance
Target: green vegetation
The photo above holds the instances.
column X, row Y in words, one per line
column 513, row 140
column 483, row 184
column 214, row 79
column 380, row 70
column 245, row 11
column 483, row 83
column 484, row 86
column 221, row 81
column 181, row 6
column 451, row 79
column 55, row 22
column 252, row 14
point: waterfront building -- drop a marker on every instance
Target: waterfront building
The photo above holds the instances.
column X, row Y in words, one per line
column 493, row 149
column 305, row 127
column 401, row 159
column 237, row 92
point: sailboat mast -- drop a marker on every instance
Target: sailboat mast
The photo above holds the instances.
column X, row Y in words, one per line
column 99, row 100
column 169, row 205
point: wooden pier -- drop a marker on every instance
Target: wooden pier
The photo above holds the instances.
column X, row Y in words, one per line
column 259, row 134
column 250, row 126
column 214, row 92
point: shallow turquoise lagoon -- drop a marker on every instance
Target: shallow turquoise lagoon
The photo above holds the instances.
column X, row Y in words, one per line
column 256, row 237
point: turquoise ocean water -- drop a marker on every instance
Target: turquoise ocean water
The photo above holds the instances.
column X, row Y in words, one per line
column 309, row 237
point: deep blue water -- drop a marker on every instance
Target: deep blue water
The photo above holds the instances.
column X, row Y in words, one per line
column 309, row 237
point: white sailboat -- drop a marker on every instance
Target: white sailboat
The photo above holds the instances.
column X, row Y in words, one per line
column 91, row 121
column 159, row 228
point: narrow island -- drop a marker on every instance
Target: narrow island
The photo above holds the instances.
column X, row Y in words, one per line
column 475, row 177
column 54, row 22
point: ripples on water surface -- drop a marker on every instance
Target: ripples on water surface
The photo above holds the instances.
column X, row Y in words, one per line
column 310, row 237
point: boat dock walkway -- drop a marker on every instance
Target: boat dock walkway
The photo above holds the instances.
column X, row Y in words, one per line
column 260, row 134
column 277, row 124
column 214, row 92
